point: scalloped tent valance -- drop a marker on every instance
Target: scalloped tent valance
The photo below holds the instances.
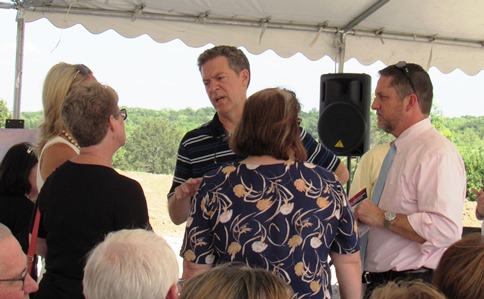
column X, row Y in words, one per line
column 447, row 34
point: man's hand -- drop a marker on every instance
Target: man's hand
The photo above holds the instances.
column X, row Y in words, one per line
column 187, row 189
column 179, row 202
column 368, row 213
column 480, row 201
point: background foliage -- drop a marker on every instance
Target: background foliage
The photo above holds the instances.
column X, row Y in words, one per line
column 4, row 113
column 153, row 137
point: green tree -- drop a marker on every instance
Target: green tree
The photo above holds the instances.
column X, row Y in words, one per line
column 310, row 122
column 474, row 163
column 152, row 147
column 438, row 122
column 4, row 113
column 32, row 119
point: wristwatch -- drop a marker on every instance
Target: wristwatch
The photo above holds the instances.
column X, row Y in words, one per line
column 389, row 217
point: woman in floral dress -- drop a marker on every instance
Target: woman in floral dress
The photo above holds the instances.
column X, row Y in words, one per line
column 273, row 210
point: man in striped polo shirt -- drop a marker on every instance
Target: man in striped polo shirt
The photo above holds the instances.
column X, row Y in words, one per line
column 225, row 73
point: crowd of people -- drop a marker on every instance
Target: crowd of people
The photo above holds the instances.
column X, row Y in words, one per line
column 263, row 201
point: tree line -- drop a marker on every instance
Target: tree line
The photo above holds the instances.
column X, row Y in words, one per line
column 153, row 137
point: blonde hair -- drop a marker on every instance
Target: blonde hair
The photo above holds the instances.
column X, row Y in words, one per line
column 414, row 289
column 59, row 80
column 236, row 281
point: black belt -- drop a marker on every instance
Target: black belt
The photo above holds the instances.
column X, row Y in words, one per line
column 383, row 277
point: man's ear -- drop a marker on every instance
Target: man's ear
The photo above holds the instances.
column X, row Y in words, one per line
column 412, row 101
column 245, row 74
column 173, row 292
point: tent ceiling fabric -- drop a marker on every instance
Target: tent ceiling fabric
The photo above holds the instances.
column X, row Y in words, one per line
column 447, row 34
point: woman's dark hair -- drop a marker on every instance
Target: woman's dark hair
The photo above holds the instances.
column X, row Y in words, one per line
column 270, row 126
column 15, row 169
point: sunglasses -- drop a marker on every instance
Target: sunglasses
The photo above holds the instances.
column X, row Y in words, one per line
column 123, row 113
column 83, row 70
column 403, row 67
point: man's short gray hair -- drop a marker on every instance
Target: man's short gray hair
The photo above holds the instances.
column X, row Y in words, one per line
column 4, row 232
column 130, row 264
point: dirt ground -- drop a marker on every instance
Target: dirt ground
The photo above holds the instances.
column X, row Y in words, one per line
column 156, row 186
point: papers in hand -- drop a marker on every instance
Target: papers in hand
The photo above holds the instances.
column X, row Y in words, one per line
column 354, row 202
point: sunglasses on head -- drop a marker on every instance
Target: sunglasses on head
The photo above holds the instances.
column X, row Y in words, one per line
column 83, row 70
column 403, row 67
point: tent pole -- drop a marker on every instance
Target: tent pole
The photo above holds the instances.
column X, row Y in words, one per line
column 19, row 63
column 341, row 44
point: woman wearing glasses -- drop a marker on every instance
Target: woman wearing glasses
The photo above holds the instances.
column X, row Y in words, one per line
column 272, row 209
column 85, row 198
column 56, row 144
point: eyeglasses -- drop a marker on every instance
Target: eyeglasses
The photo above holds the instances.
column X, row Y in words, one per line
column 22, row 279
column 83, row 70
column 123, row 113
column 402, row 66
column 179, row 285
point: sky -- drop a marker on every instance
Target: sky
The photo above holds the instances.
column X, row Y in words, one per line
column 165, row 75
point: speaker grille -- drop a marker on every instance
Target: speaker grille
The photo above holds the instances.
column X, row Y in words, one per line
column 342, row 135
column 344, row 113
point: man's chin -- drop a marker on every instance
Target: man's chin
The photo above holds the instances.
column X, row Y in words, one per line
column 382, row 125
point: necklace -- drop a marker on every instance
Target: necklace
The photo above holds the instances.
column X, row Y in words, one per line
column 71, row 140
column 99, row 157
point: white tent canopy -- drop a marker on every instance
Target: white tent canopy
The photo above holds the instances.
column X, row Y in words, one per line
column 447, row 34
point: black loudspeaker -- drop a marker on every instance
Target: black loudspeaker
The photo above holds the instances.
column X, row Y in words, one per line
column 14, row 123
column 344, row 113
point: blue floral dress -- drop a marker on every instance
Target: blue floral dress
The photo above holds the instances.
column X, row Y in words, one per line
column 282, row 217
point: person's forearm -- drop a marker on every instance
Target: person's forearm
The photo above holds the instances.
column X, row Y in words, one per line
column 41, row 247
column 401, row 226
column 479, row 214
column 348, row 272
column 350, row 286
column 342, row 173
column 178, row 209
column 191, row 270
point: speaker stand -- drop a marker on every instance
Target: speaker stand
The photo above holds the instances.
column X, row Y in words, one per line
column 348, row 184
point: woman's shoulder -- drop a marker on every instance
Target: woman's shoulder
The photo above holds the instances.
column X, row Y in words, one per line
column 58, row 143
column 309, row 171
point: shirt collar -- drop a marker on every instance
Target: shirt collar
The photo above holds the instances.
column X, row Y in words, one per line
column 413, row 131
column 218, row 129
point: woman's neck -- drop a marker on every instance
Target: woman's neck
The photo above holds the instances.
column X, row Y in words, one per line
column 93, row 157
column 262, row 160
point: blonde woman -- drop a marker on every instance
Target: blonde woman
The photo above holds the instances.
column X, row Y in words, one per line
column 56, row 144
column 236, row 281
column 407, row 289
